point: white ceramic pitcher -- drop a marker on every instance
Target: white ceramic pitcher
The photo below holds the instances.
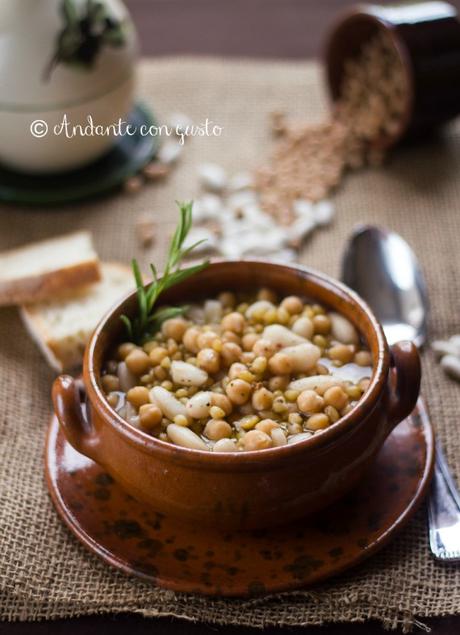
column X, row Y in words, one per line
column 36, row 85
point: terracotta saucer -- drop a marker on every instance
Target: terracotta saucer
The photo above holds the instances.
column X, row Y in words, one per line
column 204, row 560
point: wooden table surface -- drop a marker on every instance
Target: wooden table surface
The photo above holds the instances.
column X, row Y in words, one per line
column 251, row 28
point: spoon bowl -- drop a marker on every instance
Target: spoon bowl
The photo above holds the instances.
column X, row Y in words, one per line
column 384, row 270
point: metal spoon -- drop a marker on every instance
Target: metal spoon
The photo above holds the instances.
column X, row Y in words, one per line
column 383, row 269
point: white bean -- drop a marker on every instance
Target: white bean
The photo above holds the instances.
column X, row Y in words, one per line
column 167, row 402
column 281, row 336
column 296, row 438
column 213, row 311
column 278, row 437
column 343, row 330
column 186, row 374
column 451, row 365
column 127, row 378
column 443, row 347
column 320, row 383
column 258, row 307
column 304, row 327
column 198, row 406
column 212, row 176
column 185, row 437
column 303, row 356
column 225, row 445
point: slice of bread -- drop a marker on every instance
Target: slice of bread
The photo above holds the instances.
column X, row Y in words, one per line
column 41, row 270
column 63, row 326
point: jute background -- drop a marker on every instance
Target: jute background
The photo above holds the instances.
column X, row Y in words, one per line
column 44, row 572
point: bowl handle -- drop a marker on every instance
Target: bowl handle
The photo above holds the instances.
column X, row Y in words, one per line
column 404, row 385
column 67, row 401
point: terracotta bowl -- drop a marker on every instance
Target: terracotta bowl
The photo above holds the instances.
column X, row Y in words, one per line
column 248, row 489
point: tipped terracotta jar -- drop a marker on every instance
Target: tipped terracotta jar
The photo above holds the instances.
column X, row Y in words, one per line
column 426, row 36
column 242, row 489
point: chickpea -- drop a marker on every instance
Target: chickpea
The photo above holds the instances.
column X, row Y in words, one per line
column 322, row 324
column 233, row 322
column 230, row 336
column 238, row 391
column 318, row 421
column 283, row 316
column 221, row 401
column 279, row 405
column 264, row 348
column 150, row 416
column 158, row 354
column 319, row 340
column 278, row 382
column 231, row 353
column 280, row 364
column 336, row 396
column 249, row 340
column 267, row 294
column 248, row 422
column 291, row 395
column 112, row 399
column 125, row 349
column 363, row 358
column 259, row 365
column 247, row 358
column 256, row 440
column 227, row 299
column 341, row 353
column 160, row 373
column 236, row 369
column 294, row 417
column 332, row 413
column 216, row 412
column 364, row 384
column 138, row 362
column 110, row 383
column 206, row 339
column 138, row 396
column 266, row 425
column 294, row 428
column 293, row 304
column 217, row 429
column 310, row 402
column 209, row 360
column 354, row 392
column 303, row 326
column 262, row 399
column 175, row 328
column 190, row 339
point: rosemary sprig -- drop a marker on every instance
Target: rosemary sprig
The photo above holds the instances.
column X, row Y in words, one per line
column 148, row 320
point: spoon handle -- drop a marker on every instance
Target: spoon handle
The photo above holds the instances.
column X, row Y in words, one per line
column 443, row 510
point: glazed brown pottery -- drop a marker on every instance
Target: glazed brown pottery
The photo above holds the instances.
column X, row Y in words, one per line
column 426, row 36
column 192, row 558
column 247, row 489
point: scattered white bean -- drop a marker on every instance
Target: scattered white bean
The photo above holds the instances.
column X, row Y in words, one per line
column 451, row 365
column 323, row 212
column 303, row 208
column 446, row 347
column 203, row 235
column 185, row 437
column 212, row 177
column 240, row 181
column 169, row 152
column 186, row 374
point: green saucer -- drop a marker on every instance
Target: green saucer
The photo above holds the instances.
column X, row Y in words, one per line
column 127, row 157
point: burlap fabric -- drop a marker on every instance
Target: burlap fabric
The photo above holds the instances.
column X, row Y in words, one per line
column 44, row 572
